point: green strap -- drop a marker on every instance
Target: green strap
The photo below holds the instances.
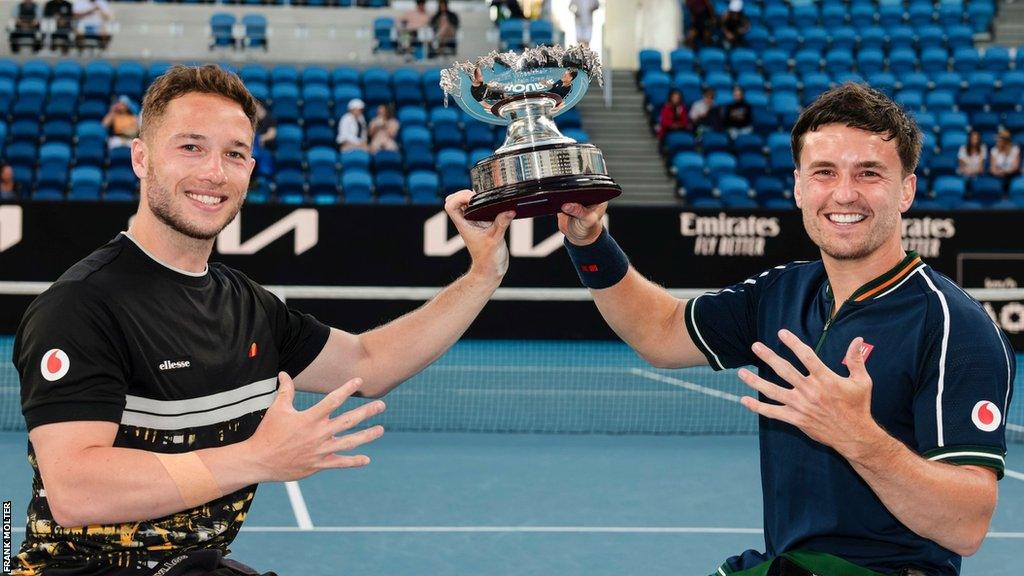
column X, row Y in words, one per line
column 819, row 563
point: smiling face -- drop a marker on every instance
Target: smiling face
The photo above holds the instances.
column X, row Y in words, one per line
column 851, row 191
column 195, row 164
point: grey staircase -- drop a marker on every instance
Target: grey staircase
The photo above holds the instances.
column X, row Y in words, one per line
column 630, row 149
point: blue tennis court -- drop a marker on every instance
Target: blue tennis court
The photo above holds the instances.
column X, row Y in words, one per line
column 536, row 458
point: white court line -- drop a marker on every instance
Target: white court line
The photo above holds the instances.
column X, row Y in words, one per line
column 299, row 506
column 684, row 384
column 1013, row 474
column 1014, row 427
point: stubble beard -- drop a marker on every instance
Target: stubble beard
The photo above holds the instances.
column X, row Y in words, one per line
column 160, row 201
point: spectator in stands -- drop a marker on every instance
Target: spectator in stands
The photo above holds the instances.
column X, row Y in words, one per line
column 445, row 25
column 583, row 10
column 266, row 134
column 673, row 115
column 25, row 31
column 383, row 130
column 409, row 25
column 702, row 22
column 735, row 24
column 704, row 112
column 352, row 132
column 94, row 18
column 8, row 185
column 63, row 15
column 1005, row 159
column 121, row 122
column 506, row 10
column 971, row 157
column 738, row 116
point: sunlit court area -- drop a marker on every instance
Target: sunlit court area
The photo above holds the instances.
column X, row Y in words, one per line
column 527, row 430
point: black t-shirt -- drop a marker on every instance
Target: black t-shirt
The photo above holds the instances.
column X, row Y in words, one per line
column 27, row 12
column 61, row 10
column 181, row 362
column 737, row 115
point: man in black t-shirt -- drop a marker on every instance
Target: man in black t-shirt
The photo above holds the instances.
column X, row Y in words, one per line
column 63, row 15
column 157, row 387
column 26, row 26
column 737, row 116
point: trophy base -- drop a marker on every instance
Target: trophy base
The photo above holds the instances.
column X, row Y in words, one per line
column 542, row 197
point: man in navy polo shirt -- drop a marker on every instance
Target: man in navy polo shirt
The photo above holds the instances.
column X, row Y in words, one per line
column 881, row 385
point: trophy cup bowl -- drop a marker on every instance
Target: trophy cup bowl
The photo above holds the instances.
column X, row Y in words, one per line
column 537, row 169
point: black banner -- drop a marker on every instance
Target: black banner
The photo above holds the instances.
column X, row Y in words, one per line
column 417, row 246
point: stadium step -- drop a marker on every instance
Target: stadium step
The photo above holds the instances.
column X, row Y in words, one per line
column 623, row 134
column 1009, row 24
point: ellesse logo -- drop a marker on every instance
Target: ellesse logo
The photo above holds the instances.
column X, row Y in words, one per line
column 174, row 365
column 54, row 365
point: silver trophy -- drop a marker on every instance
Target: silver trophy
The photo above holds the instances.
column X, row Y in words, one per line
column 537, row 169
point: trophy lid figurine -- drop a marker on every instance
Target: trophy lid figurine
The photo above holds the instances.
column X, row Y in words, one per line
column 537, row 169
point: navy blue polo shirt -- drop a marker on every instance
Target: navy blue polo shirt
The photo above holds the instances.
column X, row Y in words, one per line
column 942, row 373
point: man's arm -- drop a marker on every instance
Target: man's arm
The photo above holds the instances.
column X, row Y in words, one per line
column 387, row 356
column 951, row 505
column 89, row 481
column 642, row 313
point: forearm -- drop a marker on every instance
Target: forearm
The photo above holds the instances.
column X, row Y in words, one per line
column 405, row 346
column 951, row 505
column 105, row 485
column 649, row 319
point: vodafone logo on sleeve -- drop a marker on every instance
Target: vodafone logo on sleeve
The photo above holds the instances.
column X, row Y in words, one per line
column 55, row 364
column 986, row 416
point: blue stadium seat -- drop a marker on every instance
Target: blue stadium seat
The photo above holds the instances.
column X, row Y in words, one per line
column 815, row 38
column 255, row 31
column 749, row 82
column 951, row 13
column 656, row 88
column 930, row 36
column 289, row 183
column 542, row 32
column 90, row 144
column 385, row 160
column 677, row 141
column 694, row 186
column 67, row 70
column 36, row 70
column 86, row 183
column 9, row 69
column 835, row 12
column 934, row 60
column 870, row 61
column 418, row 157
column 682, row 59
column 254, row 73
column 940, row 101
column 721, row 81
column 758, row 38
column 863, row 13
column 786, row 39
column 63, row 102
column 121, row 185
column 948, row 81
column 776, row 16
column 952, row 121
column 222, row 27
column 786, row 105
column 719, row 163
column 689, row 85
column 844, row 38
column 1005, row 100
column 285, row 98
column 902, row 61
column 925, row 120
column 31, row 97
column 711, row 59
column 986, row 189
column 910, row 100
column 316, row 75
column 432, row 93
column 712, row 141
column 741, row 60
column 479, row 135
column 805, row 13
column 650, row 61
column 949, row 190
column 774, row 60
column 950, row 142
column 1014, row 122
column 316, row 104
column 357, row 186
column 408, row 87
column 512, row 34
column 58, row 131
column 965, row 60
column 806, row 61
column 355, row 160
column 687, row 162
column 130, row 80
column 890, row 14
column 985, row 122
column 996, row 59
column 901, row 38
column 872, row 38
column 1013, row 80
column 769, row 188
column 390, row 183
column 748, row 143
column 284, row 74
column 883, row 81
column 342, row 94
column 916, row 81
column 752, row 165
column 120, row 157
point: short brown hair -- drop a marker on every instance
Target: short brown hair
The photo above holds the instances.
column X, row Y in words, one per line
column 181, row 80
column 859, row 106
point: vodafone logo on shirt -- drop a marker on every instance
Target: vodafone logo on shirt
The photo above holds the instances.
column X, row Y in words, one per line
column 986, row 416
column 55, row 364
